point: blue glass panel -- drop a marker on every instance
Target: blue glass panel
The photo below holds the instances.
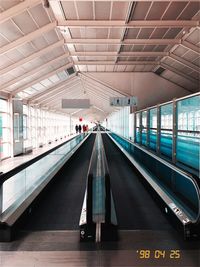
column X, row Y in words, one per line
column 153, row 132
column 144, row 137
column 180, row 188
column 188, row 121
column 152, row 139
column 153, row 118
column 166, row 143
column 166, row 112
column 137, row 137
column 191, row 145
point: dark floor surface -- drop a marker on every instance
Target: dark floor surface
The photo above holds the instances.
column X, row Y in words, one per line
column 60, row 207
column 135, row 208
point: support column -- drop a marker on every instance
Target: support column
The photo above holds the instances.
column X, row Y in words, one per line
column 140, row 129
column 134, row 129
column 148, row 128
column 158, row 130
column 174, row 131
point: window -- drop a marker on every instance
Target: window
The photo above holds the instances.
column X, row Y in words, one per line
column 188, row 132
column 153, row 128
column 166, row 130
column 16, row 127
column 5, row 133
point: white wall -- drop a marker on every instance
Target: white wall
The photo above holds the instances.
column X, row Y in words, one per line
column 150, row 88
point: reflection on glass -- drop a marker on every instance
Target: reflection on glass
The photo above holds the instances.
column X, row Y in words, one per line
column 16, row 126
column 166, row 130
column 180, row 188
column 188, row 136
column 17, row 188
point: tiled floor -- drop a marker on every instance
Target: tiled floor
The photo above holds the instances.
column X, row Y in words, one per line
column 62, row 249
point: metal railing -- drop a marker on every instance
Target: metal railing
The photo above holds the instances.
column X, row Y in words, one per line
column 20, row 186
column 178, row 190
column 98, row 218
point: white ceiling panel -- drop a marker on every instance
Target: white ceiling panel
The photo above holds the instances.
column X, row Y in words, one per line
column 6, row 78
column 3, row 41
column 14, row 55
column 101, row 68
column 190, row 11
column 156, row 10
column 174, row 10
column 51, row 37
column 190, row 56
column 141, row 10
column 39, row 14
column 9, row 30
column 85, row 10
column 33, row 64
column 119, row 10
column 114, row 33
column 8, row 4
column 26, row 49
column 194, row 37
column 39, row 42
column 5, row 61
column 27, row 27
column 69, row 10
column 92, row 68
column 102, row 10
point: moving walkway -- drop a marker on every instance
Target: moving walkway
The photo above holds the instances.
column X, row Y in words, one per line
column 178, row 193
column 48, row 191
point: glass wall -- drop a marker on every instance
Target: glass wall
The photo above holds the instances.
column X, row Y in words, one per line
column 5, row 131
column 42, row 126
column 153, row 129
column 39, row 127
column 188, row 131
column 166, row 120
column 173, row 131
column 118, row 122
column 144, row 128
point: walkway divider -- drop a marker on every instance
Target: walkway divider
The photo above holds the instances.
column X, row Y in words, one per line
column 98, row 217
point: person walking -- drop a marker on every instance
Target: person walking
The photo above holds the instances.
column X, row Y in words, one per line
column 76, row 128
column 79, row 128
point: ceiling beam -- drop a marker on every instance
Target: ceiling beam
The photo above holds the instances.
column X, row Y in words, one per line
column 185, row 62
column 172, row 69
column 100, row 83
column 17, row 9
column 123, row 42
column 31, row 57
column 191, row 46
column 131, row 24
column 119, row 63
column 34, row 71
column 56, row 94
column 64, row 92
column 105, row 93
column 96, row 94
column 27, row 38
column 121, row 54
column 53, row 88
column 14, row 92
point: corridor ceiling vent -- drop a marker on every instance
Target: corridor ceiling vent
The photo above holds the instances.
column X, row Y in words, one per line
column 70, row 71
column 159, row 70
